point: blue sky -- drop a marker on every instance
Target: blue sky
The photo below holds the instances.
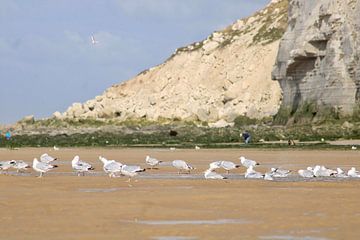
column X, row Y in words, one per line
column 47, row 61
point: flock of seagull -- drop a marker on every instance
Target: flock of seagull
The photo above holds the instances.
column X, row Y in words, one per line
column 115, row 169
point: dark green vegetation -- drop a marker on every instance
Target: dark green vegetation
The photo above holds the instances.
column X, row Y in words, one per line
column 310, row 113
column 71, row 133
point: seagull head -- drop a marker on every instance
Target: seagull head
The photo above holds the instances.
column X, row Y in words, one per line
column 103, row 160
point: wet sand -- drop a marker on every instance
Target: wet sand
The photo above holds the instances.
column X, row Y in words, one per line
column 64, row 206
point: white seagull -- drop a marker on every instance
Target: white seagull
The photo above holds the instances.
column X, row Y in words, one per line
column 227, row 165
column 197, row 147
column 340, row 173
column 353, row 173
column 182, row 165
column 322, row 171
column 210, row 174
column 93, row 41
column 56, row 148
column 80, row 166
column 131, row 171
column 248, row 162
column 215, row 165
column 308, row 173
column 251, row 173
column 111, row 167
column 152, row 161
column 279, row 173
column 20, row 166
column 42, row 167
column 268, row 176
column 46, row 158
column 5, row 165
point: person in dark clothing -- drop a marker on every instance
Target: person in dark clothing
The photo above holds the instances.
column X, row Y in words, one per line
column 247, row 137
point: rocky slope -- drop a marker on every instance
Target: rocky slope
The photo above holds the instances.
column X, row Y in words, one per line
column 220, row 78
column 318, row 63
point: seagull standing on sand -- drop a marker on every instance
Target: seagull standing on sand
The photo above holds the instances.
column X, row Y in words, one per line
column 42, row 167
column 268, row 176
column 20, row 166
column 111, row 167
column 215, row 165
column 80, row 166
column 308, row 173
column 210, row 174
column 153, row 162
column 227, row 165
column 251, row 173
column 46, row 158
column 182, row 165
column 353, row 173
column 56, row 148
column 5, row 165
column 279, row 173
column 340, row 173
column 322, row 171
column 130, row 171
column 248, row 162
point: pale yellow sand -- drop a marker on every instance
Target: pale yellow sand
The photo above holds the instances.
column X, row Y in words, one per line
column 97, row 207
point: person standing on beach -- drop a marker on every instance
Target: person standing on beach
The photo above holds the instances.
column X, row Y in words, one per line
column 247, row 137
column 8, row 135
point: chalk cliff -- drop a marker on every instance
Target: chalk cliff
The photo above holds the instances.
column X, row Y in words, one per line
column 318, row 64
column 226, row 75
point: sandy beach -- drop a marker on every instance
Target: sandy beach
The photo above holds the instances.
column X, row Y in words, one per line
column 162, row 205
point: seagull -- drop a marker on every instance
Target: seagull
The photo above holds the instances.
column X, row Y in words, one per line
column 130, row 171
column 46, row 158
column 152, row 161
column 215, row 165
column 5, row 165
column 251, row 173
column 20, row 165
column 197, row 147
column 210, row 174
column 247, row 162
column 56, row 148
column 182, row 165
column 93, row 41
column 340, row 173
column 80, row 166
column 308, row 173
column 172, row 149
column 268, row 177
column 227, row 165
column 279, row 173
column 111, row 167
column 353, row 173
column 322, row 171
column 353, row 148
column 42, row 167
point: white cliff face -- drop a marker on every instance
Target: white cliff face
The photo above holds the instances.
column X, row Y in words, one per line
column 220, row 78
column 318, row 61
